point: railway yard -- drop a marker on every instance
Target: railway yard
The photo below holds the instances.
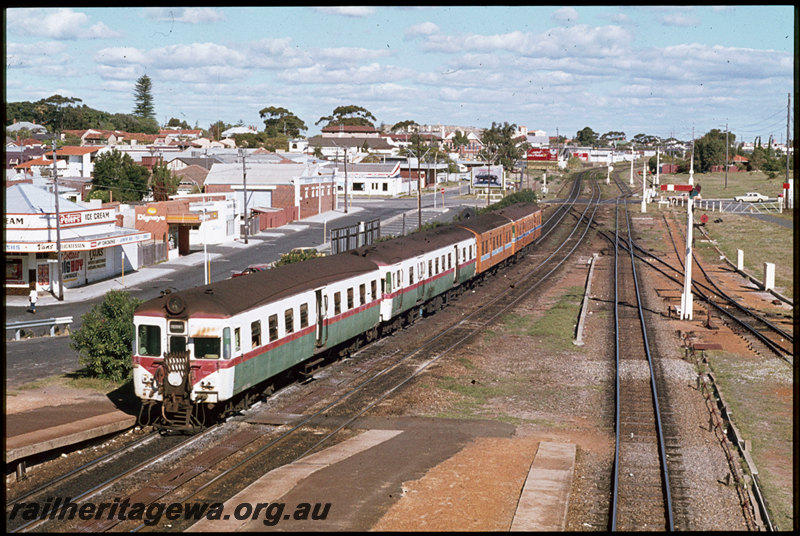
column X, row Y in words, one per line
column 436, row 426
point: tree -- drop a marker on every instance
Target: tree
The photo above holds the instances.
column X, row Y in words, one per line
column 610, row 137
column 709, row 150
column 143, row 97
column 163, row 183
column 348, row 115
column 118, row 173
column 105, row 338
column 177, row 123
column 500, row 146
column 280, row 121
column 215, row 130
column 403, row 125
column 586, row 137
column 460, row 140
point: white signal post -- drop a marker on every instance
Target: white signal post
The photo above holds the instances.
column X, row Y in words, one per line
column 687, row 300
column 632, row 159
column 644, row 187
column 658, row 165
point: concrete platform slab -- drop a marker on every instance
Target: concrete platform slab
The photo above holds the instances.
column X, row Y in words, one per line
column 277, row 483
column 545, row 497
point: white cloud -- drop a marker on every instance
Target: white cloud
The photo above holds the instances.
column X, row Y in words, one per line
column 423, row 28
column 352, row 11
column 57, row 23
column 186, row 15
column 565, row 14
column 684, row 20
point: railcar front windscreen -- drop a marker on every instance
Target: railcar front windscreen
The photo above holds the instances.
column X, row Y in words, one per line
column 149, row 340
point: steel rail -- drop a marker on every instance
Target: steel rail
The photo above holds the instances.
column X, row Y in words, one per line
column 653, row 388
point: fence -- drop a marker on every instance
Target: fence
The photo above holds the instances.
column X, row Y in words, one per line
column 152, row 252
column 354, row 236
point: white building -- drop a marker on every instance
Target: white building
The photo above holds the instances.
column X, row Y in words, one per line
column 93, row 247
column 382, row 180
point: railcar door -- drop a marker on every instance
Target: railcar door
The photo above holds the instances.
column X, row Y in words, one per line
column 322, row 309
column 457, row 267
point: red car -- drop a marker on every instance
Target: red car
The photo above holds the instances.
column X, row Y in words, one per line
column 253, row 268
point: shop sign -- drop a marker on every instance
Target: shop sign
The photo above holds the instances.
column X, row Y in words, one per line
column 97, row 259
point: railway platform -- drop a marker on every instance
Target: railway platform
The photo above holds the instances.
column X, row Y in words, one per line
column 48, row 428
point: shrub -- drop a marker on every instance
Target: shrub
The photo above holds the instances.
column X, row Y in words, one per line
column 105, row 338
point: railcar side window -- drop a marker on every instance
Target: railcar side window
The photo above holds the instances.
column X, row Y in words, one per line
column 206, row 347
column 449, row 261
column 337, row 303
column 288, row 317
column 149, row 340
column 273, row 328
column 255, row 333
column 226, row 343
column 349, row 299
column 410, row 275
column 437, row 266
column 374, row 288
column 237, row 339
column 304, row 315
column 362, row 293
column 430, row 267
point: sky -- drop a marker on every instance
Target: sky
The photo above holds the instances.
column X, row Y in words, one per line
column 663, row 71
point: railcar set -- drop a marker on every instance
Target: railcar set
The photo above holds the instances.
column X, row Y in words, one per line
column 209, row 348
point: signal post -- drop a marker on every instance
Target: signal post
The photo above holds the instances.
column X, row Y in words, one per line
column 687, row 299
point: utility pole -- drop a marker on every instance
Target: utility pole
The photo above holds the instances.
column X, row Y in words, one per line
column 244, row 183
column 345, row 180
column 788, row 193
column 691, row 165
column 58, row 228
column 726, row 155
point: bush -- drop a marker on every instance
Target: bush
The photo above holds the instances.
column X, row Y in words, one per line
column 298, row 255
column 105, row 338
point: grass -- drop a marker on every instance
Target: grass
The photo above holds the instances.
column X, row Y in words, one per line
column 72, row 380
column 760, row 241
column 556, row 327
column 759, row 393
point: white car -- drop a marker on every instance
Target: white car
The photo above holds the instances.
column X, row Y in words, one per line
column 751, row 197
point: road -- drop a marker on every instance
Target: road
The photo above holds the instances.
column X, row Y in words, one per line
column 33, row 359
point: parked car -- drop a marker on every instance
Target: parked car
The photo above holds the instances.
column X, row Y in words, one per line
column 751, row 197
column 253, row 268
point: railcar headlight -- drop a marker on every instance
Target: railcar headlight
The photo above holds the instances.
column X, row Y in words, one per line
column 175, row 379
column 175, row 305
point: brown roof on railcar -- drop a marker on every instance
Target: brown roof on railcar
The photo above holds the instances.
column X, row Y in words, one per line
column 484, row 222
column 413, row 245
column 519, row 210
column 231, row 296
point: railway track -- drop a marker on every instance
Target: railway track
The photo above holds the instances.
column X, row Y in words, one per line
column 641, row 482
column 764, row 337
column 253, row 448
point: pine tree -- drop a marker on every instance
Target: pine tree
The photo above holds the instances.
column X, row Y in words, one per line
column 143, row 97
